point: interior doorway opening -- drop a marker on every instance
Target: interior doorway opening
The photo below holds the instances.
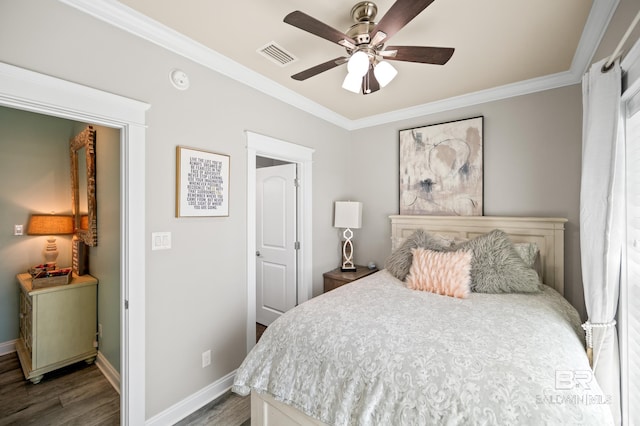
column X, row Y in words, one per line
column 276, row 240
column 31, row 91
column 279, row 151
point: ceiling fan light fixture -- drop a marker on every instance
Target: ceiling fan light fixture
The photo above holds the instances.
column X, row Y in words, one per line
column 358, row 63
column 384, row 72
column 352, row 82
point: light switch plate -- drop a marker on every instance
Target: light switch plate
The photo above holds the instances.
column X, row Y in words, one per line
column 160, row 240
column 18, row 230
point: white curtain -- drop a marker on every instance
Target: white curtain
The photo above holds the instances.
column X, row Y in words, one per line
column 602, row 222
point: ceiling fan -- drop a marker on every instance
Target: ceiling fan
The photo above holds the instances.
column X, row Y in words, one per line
column 367, row 59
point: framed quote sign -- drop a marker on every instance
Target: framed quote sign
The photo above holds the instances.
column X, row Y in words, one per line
column 202, row 183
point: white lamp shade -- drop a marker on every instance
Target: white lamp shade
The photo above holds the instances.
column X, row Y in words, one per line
column 348, row 214
column 358, row 64
column 352, row 83
column 384, row 72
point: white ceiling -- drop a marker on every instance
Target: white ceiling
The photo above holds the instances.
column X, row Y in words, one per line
column 503, row 48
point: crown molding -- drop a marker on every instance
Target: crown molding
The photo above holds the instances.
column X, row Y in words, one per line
column 129, row 20
column 470, row 99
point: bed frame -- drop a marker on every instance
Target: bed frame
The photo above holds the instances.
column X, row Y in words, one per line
column 547, row 233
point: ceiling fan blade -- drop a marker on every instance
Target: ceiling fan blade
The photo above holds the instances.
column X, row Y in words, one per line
column 399, row 15
column 303, row 75
column 421, row 54
column 370, row 83
column 312, row 25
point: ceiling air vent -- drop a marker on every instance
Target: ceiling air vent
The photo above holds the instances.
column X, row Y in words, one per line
column 277, row 54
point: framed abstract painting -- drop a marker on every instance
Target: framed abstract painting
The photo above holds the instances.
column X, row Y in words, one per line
column 441, row 169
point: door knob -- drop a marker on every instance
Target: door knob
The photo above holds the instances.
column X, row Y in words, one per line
column 257, row 253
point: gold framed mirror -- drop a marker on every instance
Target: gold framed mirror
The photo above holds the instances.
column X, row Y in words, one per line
column 82, row 149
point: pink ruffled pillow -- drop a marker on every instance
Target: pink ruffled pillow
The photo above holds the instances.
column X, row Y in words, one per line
column 447, row 273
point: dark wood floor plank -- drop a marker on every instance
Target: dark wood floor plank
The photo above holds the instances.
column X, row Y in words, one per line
column 8, row 363
column 107, row 414
column 59, row 381
column 32, row 412
column 228, row 410
column 77, row 394
column 86, row 390
column 81, row 395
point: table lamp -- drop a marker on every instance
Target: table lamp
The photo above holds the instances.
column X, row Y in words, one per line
column 348, row 215
column 50, row 225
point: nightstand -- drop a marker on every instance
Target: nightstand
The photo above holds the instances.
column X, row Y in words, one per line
column 336, row 278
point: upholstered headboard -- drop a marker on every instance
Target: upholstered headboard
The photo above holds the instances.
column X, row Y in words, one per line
column 546, row 232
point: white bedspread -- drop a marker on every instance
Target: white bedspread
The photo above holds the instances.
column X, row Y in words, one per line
column 376, row 353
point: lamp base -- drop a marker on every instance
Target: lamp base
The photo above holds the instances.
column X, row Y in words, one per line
column 347, row 252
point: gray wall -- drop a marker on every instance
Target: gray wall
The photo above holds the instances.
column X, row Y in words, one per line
column 195, row 292
column 532, row 159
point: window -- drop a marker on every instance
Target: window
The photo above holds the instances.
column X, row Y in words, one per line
column 629, row 313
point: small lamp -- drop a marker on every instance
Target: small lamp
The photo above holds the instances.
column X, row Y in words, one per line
column 348, row 214
column 50, row 225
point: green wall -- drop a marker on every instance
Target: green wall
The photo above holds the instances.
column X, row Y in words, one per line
column 34, row 171
column 104, row 259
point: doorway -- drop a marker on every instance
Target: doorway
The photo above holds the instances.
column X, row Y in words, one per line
column 265, row 146
column 276, row 239
column 30, row 91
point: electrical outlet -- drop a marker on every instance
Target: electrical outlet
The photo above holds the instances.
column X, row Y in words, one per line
column 206, row 358
column 18, row 230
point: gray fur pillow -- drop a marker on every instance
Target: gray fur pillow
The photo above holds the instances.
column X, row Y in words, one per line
column 399, row 263
column 497, row 267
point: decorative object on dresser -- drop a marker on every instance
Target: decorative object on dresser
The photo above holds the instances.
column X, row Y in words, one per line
column 43, row 277
column 50, row 225
column 79, row 256
column 57, row 325
column 348, row 214
column 336, row 278
column 82, row 149
column 202, row 183
column 441, row 169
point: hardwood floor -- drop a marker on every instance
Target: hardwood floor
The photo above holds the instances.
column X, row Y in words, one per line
column 228, row 410
column 75, row 395
column 259, row 330
column 80, row 395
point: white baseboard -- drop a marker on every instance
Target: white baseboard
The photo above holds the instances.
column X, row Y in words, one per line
column 111, row 374
column 7, row 347
column 192, row 403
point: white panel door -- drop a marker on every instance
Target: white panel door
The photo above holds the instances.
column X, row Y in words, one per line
column 275, row 242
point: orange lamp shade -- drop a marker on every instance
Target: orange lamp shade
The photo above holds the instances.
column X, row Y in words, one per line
column 50, row 224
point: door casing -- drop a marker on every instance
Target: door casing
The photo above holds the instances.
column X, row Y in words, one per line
column 30, row 91
column 265, row 146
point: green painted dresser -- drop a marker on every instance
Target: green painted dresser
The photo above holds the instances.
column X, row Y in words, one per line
column 57, row 325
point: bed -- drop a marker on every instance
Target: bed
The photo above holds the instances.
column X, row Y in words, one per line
column 375, row 352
